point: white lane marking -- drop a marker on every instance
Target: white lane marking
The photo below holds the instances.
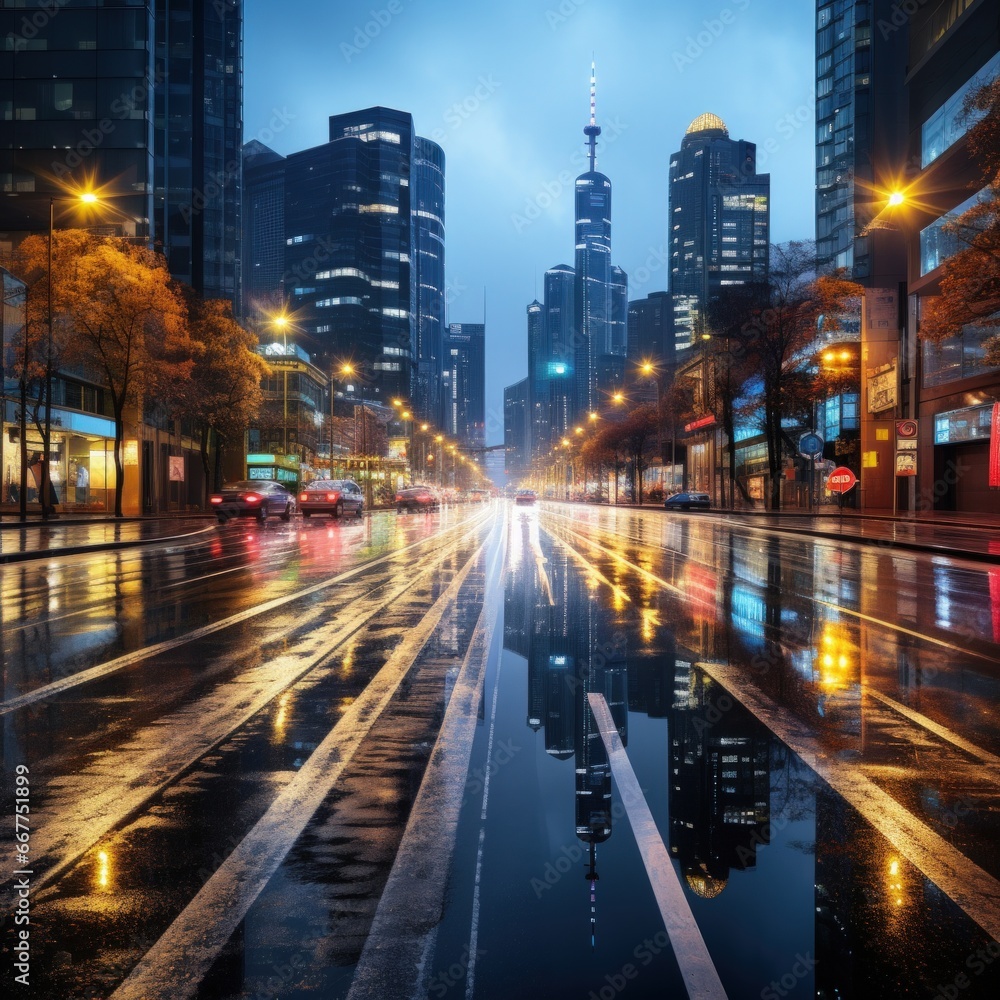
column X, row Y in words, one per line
column 946, row 734
column 394, row 962
column 176, row 965
column 697, row 968
column 973, row 890
column 470, row 975
column 87, row 805
column 102, row 670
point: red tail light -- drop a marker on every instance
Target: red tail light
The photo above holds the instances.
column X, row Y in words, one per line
column 253, row 498
column 215, row 500
column 303, row 497
column 333, row 496
column 399, row 497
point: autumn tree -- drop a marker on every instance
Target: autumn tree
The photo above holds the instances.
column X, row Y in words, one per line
column 118, row 317
column 730, row 364
column 778, row 334
column 225, row 392
column 970, row 283
column 36, row 348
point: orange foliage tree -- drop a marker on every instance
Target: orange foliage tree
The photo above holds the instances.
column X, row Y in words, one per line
column 118, row 319
column 225, row 392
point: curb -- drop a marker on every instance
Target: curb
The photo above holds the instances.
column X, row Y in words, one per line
column 73, row 550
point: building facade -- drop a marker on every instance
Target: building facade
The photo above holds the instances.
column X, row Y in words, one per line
column 263, row 232
column 427, row 178
column 719, row 220
column 198, row 88
column 947, row 388
column 465, row 384
column 140, row 104
column 517, row 457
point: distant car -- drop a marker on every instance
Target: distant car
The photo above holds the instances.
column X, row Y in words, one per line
column 417, row 498
column 525, row 496
column 259, row 498
column 335, row 497
column 479, row 496
column 688, row 501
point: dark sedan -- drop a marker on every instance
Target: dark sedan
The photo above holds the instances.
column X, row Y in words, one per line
column 417, row 498
column 335, row 497
column 688, row 501
column 259, row 498
column 525, row 496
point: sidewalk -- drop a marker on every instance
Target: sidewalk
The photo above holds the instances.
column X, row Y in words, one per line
column 946, row 533
column 74, row 533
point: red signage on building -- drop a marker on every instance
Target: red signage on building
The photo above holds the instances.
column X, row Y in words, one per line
column 696, row 425
column 841, row 480
column 995, row 448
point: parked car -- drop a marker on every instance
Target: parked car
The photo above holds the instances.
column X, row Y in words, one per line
column 525, row 496
column 688, row 501
column 257, row 498
column 417, row 498
column 335, row 497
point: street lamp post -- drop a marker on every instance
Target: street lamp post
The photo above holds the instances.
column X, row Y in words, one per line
column 87, row 198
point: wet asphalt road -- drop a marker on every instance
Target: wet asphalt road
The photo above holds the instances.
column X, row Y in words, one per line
column 362, row 759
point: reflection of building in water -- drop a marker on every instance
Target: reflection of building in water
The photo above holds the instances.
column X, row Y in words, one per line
column 719, row 782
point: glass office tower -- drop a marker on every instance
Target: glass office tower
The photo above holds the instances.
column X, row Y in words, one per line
column 428, row 264
column 77, row 103
column 348, row 251
column 465, row 364
column 719, row 210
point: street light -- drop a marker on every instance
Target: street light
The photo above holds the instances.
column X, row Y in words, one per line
column 281, row 323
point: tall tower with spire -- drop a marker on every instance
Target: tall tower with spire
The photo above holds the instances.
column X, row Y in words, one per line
column 593, row 293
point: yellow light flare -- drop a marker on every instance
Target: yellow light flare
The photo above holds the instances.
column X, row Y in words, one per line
column 103, row 869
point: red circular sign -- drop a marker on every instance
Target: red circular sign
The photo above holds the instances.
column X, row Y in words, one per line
column 841, row 480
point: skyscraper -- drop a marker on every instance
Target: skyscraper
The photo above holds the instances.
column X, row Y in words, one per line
column 719, row 209
column 141, row 103
column 593, row 295
column 560, row 328
column 427, row 177
column 349, row 250
column 66, row 75
column 517, row 460
column 539, row 404
column 198, row 75
column 860, row 130
column 465, row 383
column 263, row 230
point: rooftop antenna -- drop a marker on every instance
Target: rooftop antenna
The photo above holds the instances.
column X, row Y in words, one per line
column 593, row 130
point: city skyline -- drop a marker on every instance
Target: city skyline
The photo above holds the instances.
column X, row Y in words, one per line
column 509, row 109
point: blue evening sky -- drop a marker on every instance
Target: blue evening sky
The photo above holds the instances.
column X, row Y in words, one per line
column 503, row 87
